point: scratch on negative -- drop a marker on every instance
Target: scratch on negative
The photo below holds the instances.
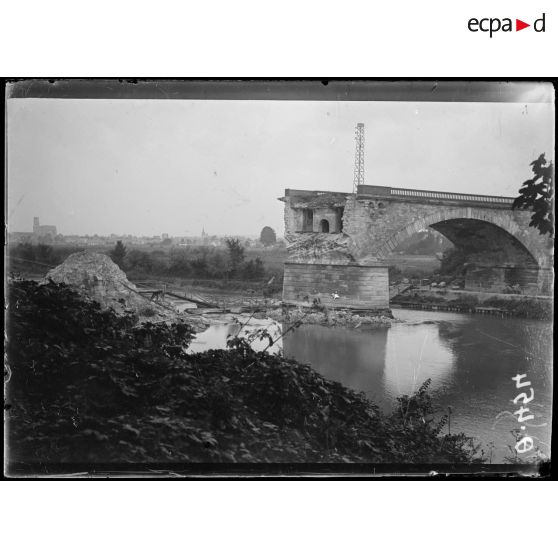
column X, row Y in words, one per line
column 505, row 342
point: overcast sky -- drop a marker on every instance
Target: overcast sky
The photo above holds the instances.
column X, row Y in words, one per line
column 147, row 167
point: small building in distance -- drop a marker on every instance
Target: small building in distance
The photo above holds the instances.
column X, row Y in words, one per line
column 40, row 233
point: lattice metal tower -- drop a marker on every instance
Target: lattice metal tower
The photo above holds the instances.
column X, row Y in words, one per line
column 359, row 156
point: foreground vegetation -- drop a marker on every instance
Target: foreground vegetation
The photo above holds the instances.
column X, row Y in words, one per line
column 85, row 386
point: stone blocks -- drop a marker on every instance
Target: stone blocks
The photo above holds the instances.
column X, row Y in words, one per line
column 356, row 286
column 374, row 225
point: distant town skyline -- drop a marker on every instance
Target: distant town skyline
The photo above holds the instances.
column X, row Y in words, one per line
column 37, row 229
column 144, row 167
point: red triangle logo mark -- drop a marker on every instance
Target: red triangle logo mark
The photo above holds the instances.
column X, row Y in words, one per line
column 519, row 25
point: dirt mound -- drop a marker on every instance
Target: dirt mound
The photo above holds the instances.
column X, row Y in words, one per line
column 97, row 276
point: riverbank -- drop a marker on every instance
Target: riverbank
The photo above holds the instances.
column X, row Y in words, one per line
column 91, row 386
column 538, row 308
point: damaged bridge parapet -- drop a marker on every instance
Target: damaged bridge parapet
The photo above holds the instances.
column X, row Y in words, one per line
column 338, row 242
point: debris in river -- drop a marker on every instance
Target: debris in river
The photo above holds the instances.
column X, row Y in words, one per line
column 330, row 317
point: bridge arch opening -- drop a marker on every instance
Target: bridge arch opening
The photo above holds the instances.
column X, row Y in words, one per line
column 489, row 242
column 497, row 261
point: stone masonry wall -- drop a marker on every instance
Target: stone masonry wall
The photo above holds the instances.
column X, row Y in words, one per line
column 374, row 226
column 495, row 279
column 357, row 286
column 329, row 215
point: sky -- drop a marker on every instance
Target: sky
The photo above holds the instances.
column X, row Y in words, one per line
column 147, row 167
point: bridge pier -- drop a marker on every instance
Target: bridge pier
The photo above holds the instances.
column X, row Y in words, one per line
column 338, row 285
column 338, row 242
column 495, row 279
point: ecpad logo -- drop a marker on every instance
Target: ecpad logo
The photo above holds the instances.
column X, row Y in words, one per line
column 493, row 25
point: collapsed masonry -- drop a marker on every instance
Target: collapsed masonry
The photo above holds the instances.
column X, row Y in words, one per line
column 323, row 267
column 98, row 277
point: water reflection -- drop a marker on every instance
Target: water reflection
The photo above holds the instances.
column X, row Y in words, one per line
column 470, row 359
column 416, row 353
column 488, row 353
column 354, row 358
column 384, row 363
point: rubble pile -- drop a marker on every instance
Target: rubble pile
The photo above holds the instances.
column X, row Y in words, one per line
column 98, row 277
column 331, row 317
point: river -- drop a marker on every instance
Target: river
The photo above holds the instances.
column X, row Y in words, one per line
column 470, row 359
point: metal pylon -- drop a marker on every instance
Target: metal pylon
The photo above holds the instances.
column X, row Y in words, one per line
column 359, row 156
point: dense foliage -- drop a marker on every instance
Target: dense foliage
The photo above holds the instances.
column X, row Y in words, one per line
column 454, row 263
column 268, row 236
column 395, row 274
column 184, row 262
column 523, row 307
column 427, row 242
column 236, row 254
column 85, row 385
column 118, row 253
column 422, row 297
column 35, row 258
column 538, row 194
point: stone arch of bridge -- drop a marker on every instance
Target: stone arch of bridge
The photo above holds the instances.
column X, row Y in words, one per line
column 479, row 225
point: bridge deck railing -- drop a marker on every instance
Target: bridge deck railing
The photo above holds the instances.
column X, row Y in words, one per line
column 431, row 194
column 450, row 196
column 387, row 191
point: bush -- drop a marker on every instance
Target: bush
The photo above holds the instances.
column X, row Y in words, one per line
column 118, row 254
column 523, row 307
column 395, row 274
column 202, row 262
column 37, row 257
column 137, row 260
column 453, row 264
column 89, row 386
column 147, row 312
column 253, row 270
column 465, row 302
column 419, row 297
column 268, row 237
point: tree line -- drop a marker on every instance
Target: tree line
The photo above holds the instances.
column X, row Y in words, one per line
column 200, row 262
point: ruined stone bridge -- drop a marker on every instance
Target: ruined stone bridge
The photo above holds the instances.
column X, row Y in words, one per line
column 339, row 242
